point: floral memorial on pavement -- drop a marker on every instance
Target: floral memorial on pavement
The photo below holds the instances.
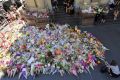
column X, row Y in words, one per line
column 57, row 48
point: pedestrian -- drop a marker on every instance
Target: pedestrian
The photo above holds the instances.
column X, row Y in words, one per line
column 65, row 4
column 113, row 69
column 18, row 3
column 54, row 4
column 116, row 13
column 111, row 4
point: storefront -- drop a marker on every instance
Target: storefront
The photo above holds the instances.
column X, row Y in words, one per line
column 38, row 4
column 37, row 12
column 84, row 7
column 46, row 4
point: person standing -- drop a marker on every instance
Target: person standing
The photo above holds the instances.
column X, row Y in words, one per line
column 111, row 4
column 116, row 13
column 54, row 4
column 65, row 4
column 18, row 3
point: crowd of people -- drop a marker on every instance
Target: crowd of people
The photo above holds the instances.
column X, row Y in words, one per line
column 9, row 12
column 111, row 8
column 69, row 6
column 101, row 12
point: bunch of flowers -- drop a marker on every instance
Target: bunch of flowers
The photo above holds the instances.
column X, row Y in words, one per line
column 57, row 48
column 37, row 14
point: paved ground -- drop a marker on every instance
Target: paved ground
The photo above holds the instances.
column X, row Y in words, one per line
column 109, row 35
